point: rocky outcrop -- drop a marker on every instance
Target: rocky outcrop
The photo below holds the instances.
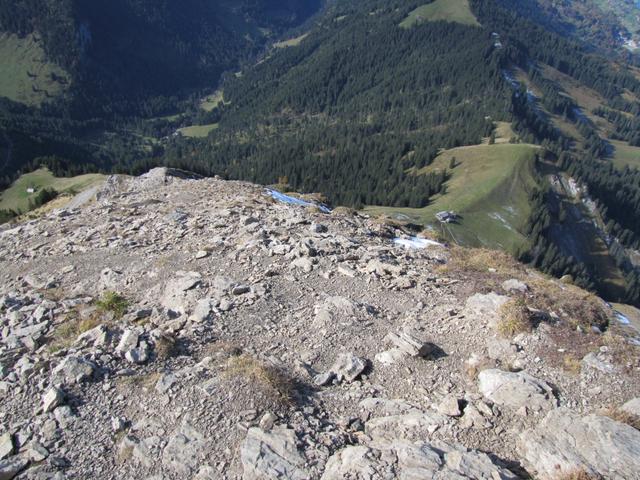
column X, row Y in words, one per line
column 566, row 442
column 516, row 390
column 273, row 454
column 419, row 460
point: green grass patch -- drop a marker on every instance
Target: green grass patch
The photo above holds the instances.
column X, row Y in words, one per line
column 17, row 196
column 489, row 188
column 625, row 155
column 293, row 42
column 113, row 302
column 212, row 101
column 448, row 10
column 198, row 131
column 27, row 77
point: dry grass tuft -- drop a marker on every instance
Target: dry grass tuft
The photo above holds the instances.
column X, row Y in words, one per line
column 222, row 350
column 68, row 332
column 166, row 347
column 473, row 368
column 622, row 416
column 580, row 474
column 146, row 381
column 343, row 212
column 571, row 364
column 273, row 381
column 575, row 306
column 483, row 260
column 515, row 318
column 113, row 302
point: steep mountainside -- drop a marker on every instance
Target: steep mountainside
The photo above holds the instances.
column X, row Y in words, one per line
column 612, row 25
column 79, row 75
column 130, row 50
column 361, row 106
column 185, row 328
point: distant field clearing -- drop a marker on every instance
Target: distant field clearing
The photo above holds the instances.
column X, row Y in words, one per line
column 198, row 131
column 448, row 10
column 17, row 196
column 293, row 42
column 625, row 155
column 212, row 101
column 27, row 77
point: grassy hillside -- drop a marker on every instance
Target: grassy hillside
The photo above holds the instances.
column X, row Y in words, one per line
column 293, row 42
column 27, row 77
column 448, row 10
column 624, row 154
column 212, row 101
column 198, row 131
column 488, row 188
column 17, row 197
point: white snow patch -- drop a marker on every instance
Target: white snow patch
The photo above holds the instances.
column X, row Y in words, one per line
column 281, row 197
column 501, row 219
column 622, row 318
column 415, row 243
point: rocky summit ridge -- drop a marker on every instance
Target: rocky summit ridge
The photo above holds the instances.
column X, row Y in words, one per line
column 184, row 328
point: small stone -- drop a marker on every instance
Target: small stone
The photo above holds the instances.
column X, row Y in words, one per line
column 11, row 467
column 165, row 382
column 118, row 424
column 515, row 285
column 37, row 453
column 268, row 421
column 52, row 399
column 128, row 342
column 240, row 289
column 324, row 379
column 409, row 343
column 318, row 228
column 348, row 366
column 6, row 445
column 450, row 407
column 202, row 254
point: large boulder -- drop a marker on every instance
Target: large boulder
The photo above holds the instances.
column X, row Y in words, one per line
column 632, row 407
column 487, row 304
column 413, row 461
column 516, row 390
column 184, row 450
column 179, row 296
column 273, row 454
column 74, row 370
column 564, row 442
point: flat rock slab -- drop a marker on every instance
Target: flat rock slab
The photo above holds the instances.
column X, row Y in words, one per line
column 273, row 454
column 348, row 366
column 412, row 426
column 516, row 390
column 413, row 461
column 564, row 441
column 74, row 370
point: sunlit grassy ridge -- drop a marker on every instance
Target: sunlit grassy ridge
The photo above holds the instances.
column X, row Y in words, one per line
column 448, row 10
column 489, row 188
